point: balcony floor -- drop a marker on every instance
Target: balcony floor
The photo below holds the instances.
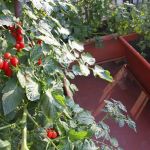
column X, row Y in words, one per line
column 92, row 92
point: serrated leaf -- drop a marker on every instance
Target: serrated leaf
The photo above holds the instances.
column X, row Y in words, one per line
column 12, row 96
column 104, row 74
column 59, row 98
column 114, row 142
column 77, row 135
column 76, row 70
column 49, row 40
column 87, row 145
column 21, row 79
column 49, row 106
column 85, row 117
column 32, row 90
column 84, row 69
column 31, row 15
column 87, row 58
column 63, row 31
column 68, row 145
column 76, row 45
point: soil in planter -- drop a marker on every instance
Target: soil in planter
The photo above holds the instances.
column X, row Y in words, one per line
column 145, row 52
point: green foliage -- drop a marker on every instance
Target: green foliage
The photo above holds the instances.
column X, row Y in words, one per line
column 95, row 15
column 33, row 98
column 128, row 18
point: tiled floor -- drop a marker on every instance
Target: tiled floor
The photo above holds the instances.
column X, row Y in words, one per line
column 92, row 92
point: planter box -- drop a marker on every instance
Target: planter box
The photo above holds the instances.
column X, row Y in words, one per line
column 112, row 48
column 136, row 63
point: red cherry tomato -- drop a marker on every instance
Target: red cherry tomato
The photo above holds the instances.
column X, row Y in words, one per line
column 7, row 55
column 5, row 65
column 1, row 63
column 19, row 38
column 17, row 46
column 11, row 28
column 21, row 44
column 8, row 72
column 49, row 134
column 14, row 61
column 54, row 134
column 19, row 31
column 39, row 42
column 39, row 61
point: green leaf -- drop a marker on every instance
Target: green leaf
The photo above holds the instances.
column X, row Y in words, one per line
column 77, row 135
column 59, row 98
column 5, row 145
column 84, row 69
column 12, row 96
column 104, row 74
column 87, row 58
column 21, row 79
column 5, row 21
column 32, row 90
column 49, row 40
column 76, row 45
column 87, row 145
column 85, row 117
column 50, row 65
column 31, row 14
column 76, row 70
column 63, row 31
column 49, row 106
column 68, row 145
column 114, row 142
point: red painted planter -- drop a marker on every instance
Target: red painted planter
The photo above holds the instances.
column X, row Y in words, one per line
column 136, row 63
column 112, row 49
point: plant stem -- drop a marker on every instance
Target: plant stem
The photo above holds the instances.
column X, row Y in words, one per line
column 31, row 118
column 54, row 145
column 24, row 131
column 105, row 117
column 8, row 126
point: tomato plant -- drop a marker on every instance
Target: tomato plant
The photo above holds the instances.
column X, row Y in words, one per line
column 37, row 110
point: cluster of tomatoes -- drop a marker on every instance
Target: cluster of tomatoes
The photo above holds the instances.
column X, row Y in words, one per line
column 6, row 62
column 51, row 133
column 17, row 33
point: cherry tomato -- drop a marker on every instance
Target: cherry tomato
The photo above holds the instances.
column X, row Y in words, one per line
column 19, row 38
column 17, row 46
column 49, row 134
column 54, row 134
column 1, row 63
column 7, row 55
column 8, row 72
column 11, row 28
column 5, row 65
column 19, row 31
column 39, row 42
column 39, row 61
column 14, row 61
column 21, row 44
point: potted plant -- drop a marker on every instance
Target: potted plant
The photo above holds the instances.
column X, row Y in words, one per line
column 137, row 46
column 137, row 64
column 37, row 110
column 128, row 20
